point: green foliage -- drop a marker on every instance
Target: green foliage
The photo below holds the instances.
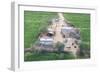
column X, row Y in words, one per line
column 42, row 56
column 84, row 50
column 27, row 56
column 59, row 46
column 44, row 29
column 85, row 35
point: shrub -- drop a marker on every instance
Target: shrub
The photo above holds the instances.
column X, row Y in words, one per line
column 84, row 50
column 60, row 46
column 28, row 56
column 44, row 29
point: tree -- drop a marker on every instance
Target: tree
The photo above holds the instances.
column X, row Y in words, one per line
column 60, row 46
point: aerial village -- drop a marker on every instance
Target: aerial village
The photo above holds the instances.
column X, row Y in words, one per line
column 59, row 32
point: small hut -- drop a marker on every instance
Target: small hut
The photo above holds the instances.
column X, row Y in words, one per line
column 50, row 32
column 46, row 40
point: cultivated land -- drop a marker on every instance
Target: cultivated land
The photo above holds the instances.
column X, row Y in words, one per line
column 35, row 22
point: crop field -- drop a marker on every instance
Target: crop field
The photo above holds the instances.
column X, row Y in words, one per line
column 35, row 22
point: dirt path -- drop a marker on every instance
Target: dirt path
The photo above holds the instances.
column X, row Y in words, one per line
column 58, row 37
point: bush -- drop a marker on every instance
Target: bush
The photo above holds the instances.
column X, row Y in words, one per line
column 44, row 29
column 28, row 56
column 42, row 56
column 60, row 46
column 84, row 50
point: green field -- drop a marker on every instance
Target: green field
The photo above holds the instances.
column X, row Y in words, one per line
column 35, row 22
column 78, row 20
column 41, row 56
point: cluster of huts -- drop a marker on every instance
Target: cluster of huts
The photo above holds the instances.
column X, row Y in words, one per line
column 72, row 39
column 70, row 34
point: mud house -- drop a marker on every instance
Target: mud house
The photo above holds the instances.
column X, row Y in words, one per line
column 46, row 40
column 50, row 32
column 65, row 31
column 70, row 32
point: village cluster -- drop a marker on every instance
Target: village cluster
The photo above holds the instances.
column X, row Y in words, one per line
column 60, row 35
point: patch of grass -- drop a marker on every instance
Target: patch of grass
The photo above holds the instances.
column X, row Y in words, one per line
column 85, row 35
column 47, row 56
column 79, row 20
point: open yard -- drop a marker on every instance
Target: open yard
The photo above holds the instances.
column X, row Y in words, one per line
column 35, row 22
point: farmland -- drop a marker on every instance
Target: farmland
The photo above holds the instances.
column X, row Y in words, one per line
column 35, row 22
